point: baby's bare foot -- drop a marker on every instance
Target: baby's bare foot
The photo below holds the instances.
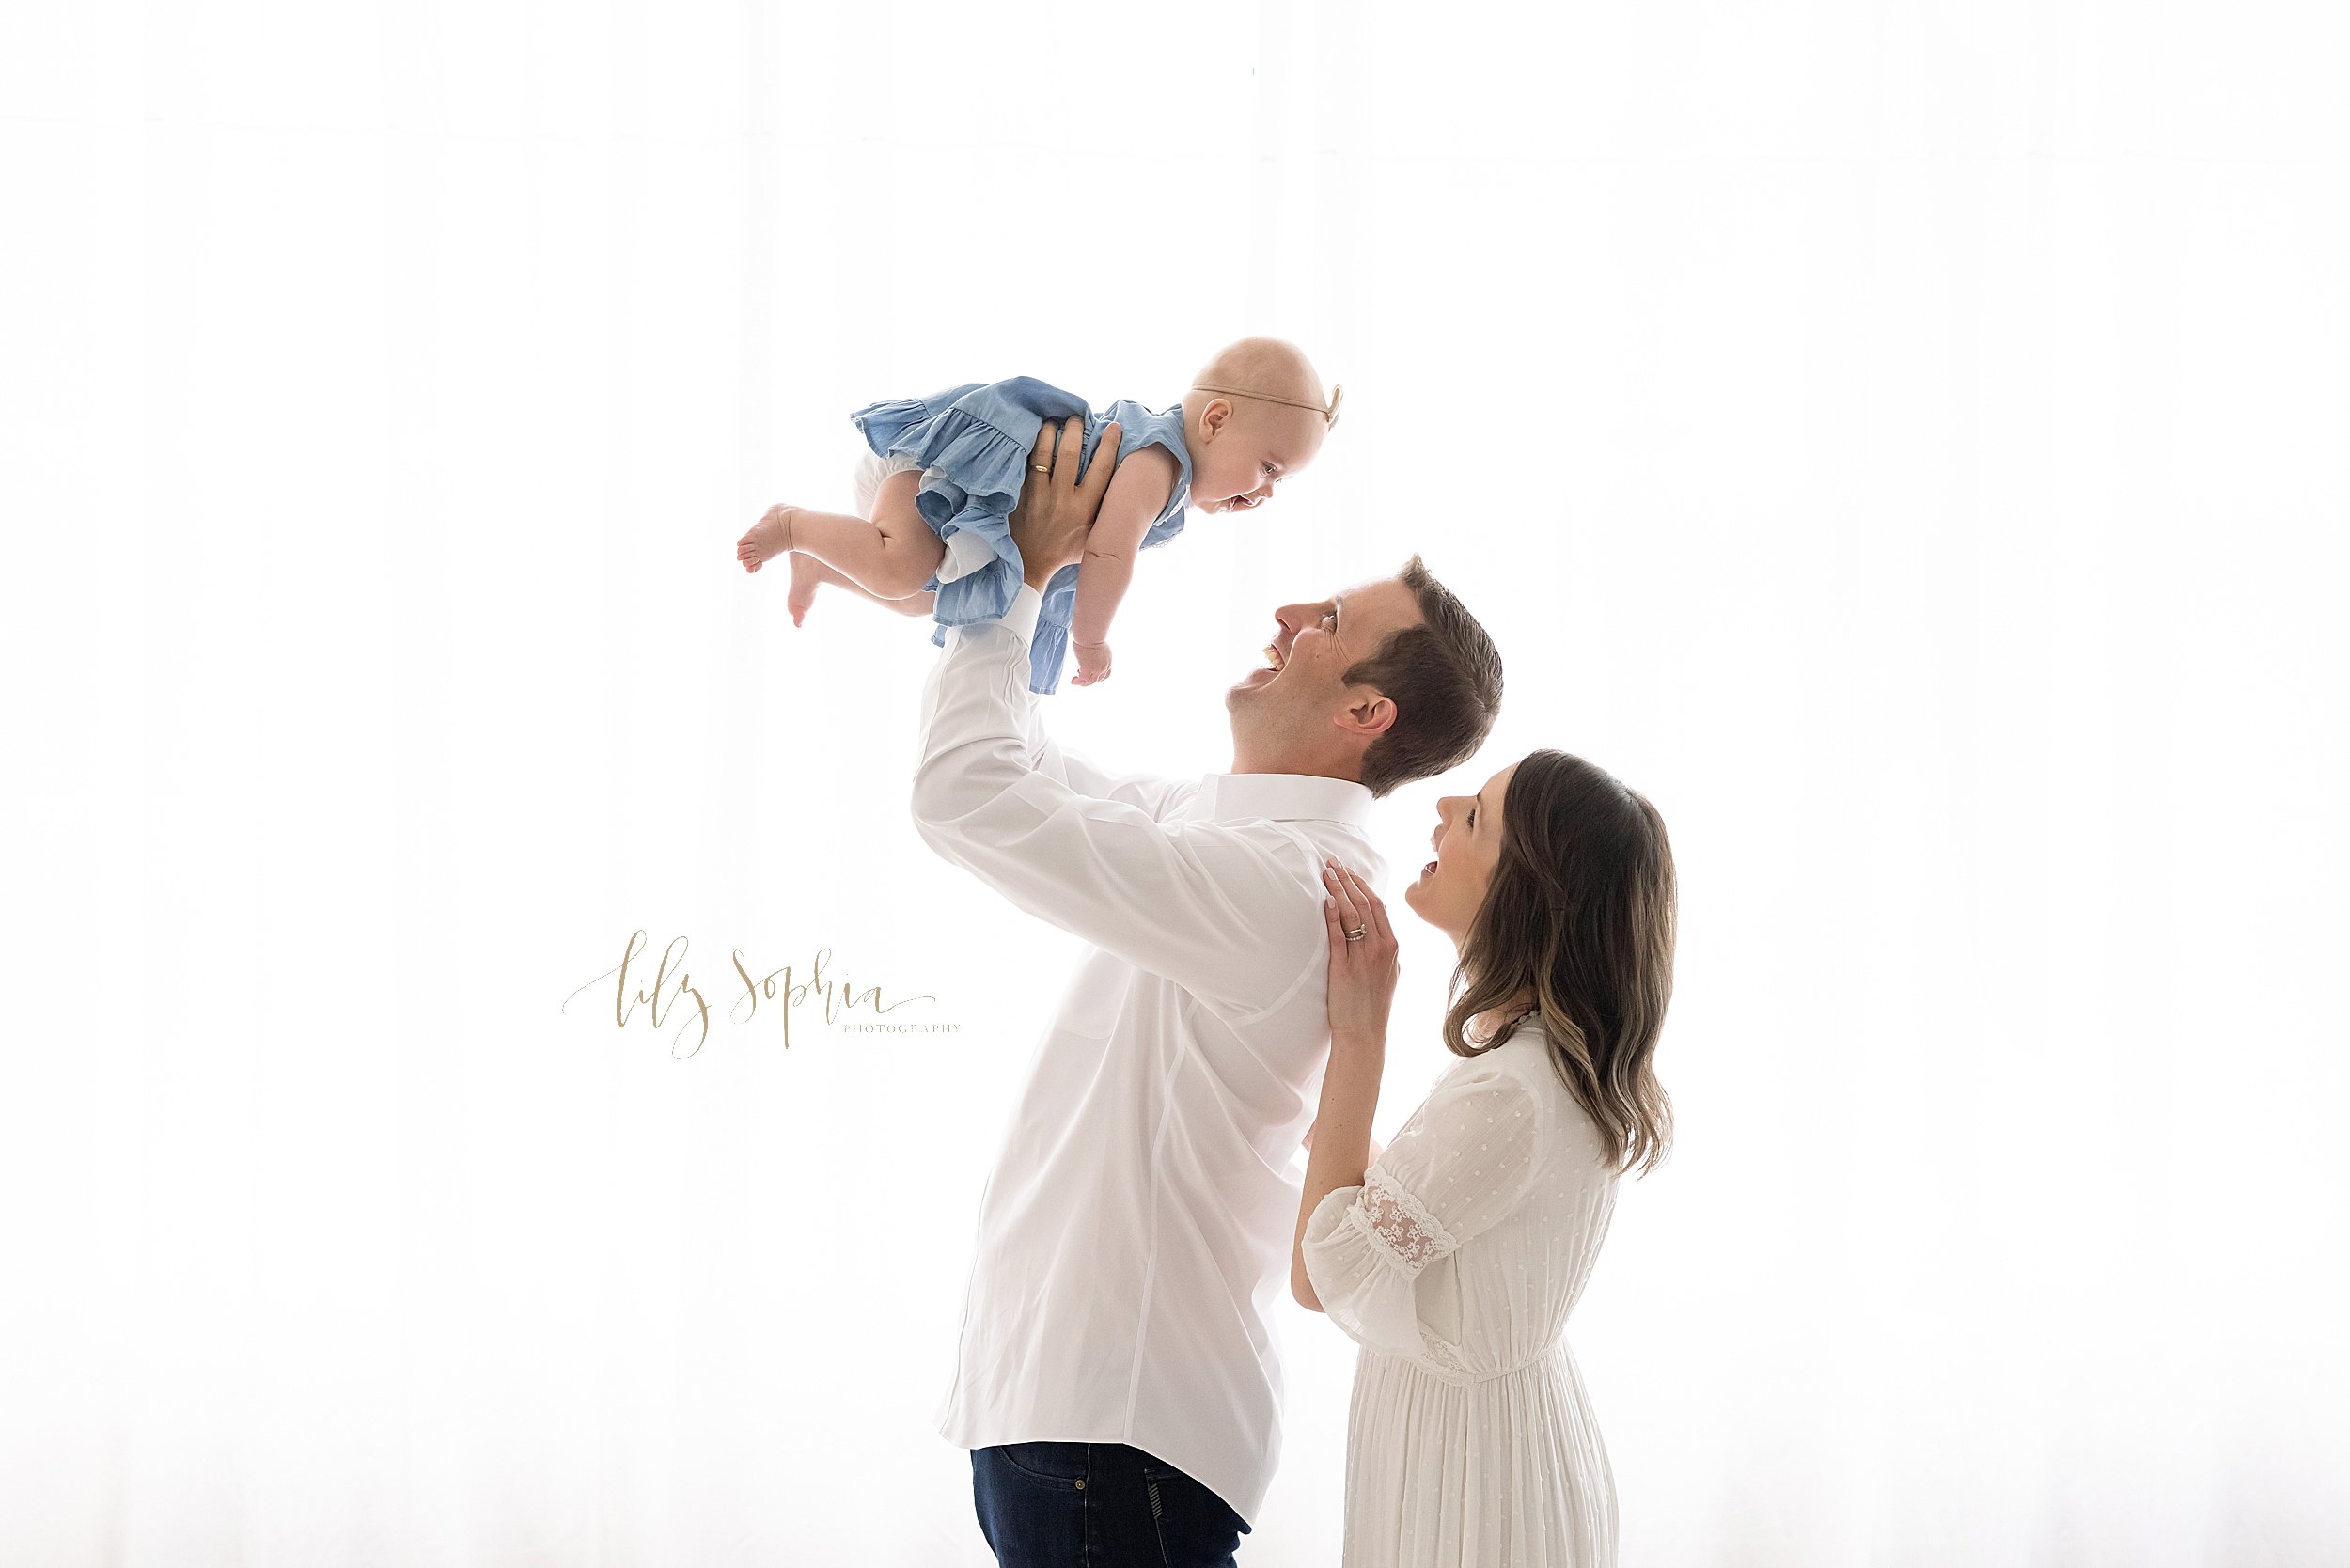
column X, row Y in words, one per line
column 770, row 536
column 806, row 572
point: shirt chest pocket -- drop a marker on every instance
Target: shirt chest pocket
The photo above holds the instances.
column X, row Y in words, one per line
column 1096, row 996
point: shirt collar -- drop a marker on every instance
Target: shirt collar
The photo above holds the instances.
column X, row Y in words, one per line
column 1227, row 797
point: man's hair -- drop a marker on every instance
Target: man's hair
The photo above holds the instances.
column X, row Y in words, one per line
column 1444, row 677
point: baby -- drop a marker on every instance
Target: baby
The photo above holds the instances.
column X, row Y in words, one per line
column 945, row 472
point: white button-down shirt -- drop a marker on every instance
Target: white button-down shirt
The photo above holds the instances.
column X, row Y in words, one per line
column 1137, row 1228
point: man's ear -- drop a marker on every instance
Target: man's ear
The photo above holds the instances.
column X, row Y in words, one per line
column 1371, row 713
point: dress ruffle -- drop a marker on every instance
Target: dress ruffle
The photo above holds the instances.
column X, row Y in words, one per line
column 973, row 442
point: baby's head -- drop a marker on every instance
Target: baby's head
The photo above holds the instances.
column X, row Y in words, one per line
column 1255, row 415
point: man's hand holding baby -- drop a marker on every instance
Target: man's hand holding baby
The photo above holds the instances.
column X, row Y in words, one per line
column 1056, row 509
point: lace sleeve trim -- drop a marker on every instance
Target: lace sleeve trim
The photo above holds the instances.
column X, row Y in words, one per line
column 1399, row 1225
column 1442, row 1354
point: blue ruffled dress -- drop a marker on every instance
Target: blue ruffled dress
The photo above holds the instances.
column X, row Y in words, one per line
column 973, row 444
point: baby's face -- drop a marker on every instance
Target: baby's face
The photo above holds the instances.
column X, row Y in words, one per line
column 1237, row 461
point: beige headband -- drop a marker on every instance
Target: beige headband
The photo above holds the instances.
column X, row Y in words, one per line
column 1329, row 414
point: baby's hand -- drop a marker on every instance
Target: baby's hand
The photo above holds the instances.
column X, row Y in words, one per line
column 1093, row 662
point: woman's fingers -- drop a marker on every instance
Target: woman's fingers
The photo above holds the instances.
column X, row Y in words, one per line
column 1374, row 910
column 1336, row 875
column 1072, row 445
column 1041, row 455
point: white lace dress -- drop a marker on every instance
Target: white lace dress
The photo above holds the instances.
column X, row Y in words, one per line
column 1469, row 1440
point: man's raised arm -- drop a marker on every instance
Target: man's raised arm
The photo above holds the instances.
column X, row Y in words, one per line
column 1152, row 794
column 1053, row 518
column 1217, row 908
column 1223, row 909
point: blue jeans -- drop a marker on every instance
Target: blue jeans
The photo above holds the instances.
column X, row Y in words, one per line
column 1098, row 1505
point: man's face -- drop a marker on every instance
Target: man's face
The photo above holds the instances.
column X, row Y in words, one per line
column 1302, row 705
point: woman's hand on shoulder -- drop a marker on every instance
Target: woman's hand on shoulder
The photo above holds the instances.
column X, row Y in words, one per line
column 1363, row 968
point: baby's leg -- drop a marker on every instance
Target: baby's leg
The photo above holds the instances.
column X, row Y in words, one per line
column 887, row 559
column 807, row 572
column 893, row 553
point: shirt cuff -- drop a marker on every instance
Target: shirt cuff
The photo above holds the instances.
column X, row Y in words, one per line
column 1020, row 615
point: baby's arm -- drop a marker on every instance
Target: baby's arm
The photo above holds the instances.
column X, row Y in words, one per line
column 1139, row 492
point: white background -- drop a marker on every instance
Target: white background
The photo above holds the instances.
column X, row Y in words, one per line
column 1907, row 441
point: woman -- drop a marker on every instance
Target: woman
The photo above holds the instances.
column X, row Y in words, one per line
column 1456, row 1258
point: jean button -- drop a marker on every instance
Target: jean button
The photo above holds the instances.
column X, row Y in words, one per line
column 1081, row 1483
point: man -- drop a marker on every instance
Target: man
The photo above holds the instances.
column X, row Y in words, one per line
column 1118, row 1380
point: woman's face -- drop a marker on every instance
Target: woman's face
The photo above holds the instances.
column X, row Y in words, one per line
column 1467, row 841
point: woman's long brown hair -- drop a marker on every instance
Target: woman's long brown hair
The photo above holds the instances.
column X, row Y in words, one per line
column 1580, row 912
